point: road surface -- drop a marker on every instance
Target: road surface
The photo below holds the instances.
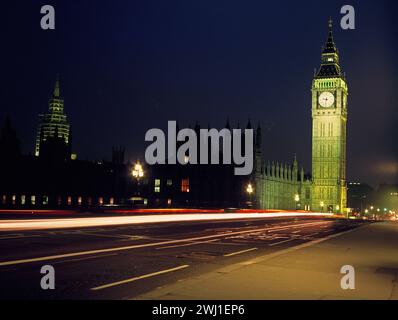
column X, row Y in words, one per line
column 127, row 261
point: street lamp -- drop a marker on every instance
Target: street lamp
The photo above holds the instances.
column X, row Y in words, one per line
column 137, row 173
column 297, row 199
column 249, row 190
column 322, row 204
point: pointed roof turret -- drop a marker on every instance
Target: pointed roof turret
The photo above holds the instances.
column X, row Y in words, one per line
column 197, row 127
column 227, row 125
column 295, row 164
column 330, row 46
column 249, row 125
column 56, row 92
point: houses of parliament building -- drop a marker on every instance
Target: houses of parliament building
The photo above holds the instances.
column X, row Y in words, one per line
column 54, row 177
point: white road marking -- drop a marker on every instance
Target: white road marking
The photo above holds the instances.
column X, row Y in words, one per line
column 239, row 252
column 186, row 244
column 146, row 245
column 86, row 258
column 113, row 284
column 280, row 242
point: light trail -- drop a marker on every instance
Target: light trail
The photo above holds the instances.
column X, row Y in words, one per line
column 45, row 224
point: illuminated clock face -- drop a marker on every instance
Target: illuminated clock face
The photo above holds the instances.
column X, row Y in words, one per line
column 326, row 99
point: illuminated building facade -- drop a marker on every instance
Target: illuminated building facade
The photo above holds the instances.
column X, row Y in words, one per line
column 53, row 128
column 278, row 185
column 282, row 186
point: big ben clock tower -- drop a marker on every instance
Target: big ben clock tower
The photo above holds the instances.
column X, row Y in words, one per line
column 329, row 121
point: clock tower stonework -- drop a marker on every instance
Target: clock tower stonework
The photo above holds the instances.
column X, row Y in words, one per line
column 329, row 122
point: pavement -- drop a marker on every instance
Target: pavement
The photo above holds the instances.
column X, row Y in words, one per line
column 306, row 271
column 131, row 260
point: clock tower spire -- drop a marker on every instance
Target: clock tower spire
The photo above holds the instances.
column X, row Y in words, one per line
column 330, row 64
column 329, row 122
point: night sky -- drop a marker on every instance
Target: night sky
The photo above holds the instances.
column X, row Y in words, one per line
column 128, row 66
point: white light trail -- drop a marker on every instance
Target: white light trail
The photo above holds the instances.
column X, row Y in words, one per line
column 62, row 223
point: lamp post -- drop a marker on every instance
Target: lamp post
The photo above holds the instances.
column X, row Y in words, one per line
column 297, row 199
column 322, row 204
column 249, row 190
column 137, row 173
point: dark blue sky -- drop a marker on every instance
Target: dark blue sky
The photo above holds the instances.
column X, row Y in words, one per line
column 128, row 66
